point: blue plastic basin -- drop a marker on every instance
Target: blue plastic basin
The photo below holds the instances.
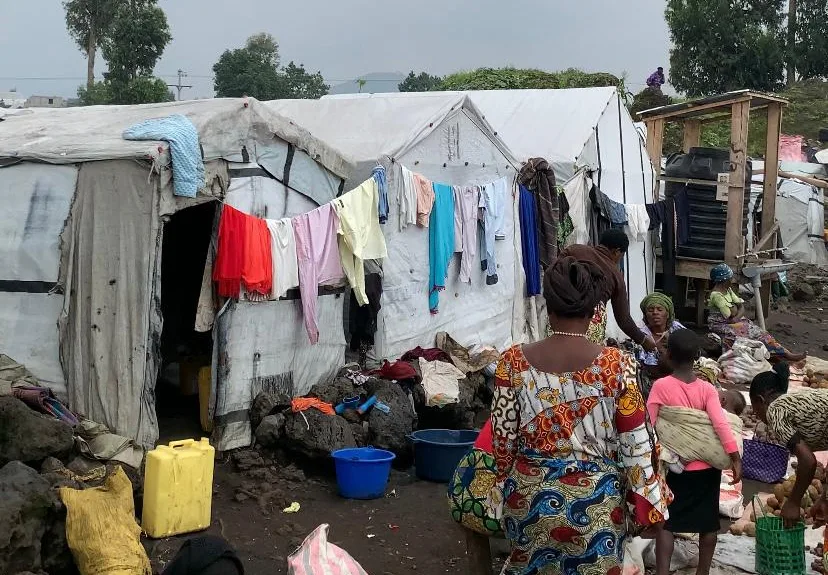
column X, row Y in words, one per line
column 362, row 472
column 438, row 451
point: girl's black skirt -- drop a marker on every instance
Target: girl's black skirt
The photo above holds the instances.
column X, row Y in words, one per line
column 695, row 506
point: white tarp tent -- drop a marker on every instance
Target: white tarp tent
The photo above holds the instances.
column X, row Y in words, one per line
column 572, row 129
column 445, row 139
column 80, row 249
column 800, row 212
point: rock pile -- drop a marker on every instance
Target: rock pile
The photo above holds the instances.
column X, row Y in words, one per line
column 32, row 517
column 311, row 434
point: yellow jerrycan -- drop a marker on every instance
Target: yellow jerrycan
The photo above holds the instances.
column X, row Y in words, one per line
column 178, row 488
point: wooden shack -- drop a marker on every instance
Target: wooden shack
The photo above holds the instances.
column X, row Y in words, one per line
column 693, row 115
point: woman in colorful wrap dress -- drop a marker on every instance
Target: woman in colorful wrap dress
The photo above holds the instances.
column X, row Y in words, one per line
column 571, row 443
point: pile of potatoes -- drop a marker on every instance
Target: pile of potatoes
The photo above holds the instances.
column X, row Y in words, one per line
column 780, row 494
column 815, row 380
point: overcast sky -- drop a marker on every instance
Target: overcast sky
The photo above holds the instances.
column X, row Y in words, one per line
column 345, row 39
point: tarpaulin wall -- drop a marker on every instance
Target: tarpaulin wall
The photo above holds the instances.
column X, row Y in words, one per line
column 36, row 201
column 264, row 345
column 108, row 271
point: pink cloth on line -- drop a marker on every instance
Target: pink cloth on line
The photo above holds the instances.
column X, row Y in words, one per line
column 425, row 199
column 317, row 253
column 699, row 395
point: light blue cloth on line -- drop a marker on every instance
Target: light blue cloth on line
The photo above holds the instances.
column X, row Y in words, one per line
column 181, row 134
column 440, row 242
column 493, row 204
column 379, row 176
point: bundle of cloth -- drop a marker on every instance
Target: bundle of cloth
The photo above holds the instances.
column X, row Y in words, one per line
column 687, row 435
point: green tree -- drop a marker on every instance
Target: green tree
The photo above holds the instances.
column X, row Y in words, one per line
column 422, row 82
column 89, row 23
column 724, row 45
column 139, row 35
column 516, row 79
column 254, row 71
column 810, row 52
column 296, row 82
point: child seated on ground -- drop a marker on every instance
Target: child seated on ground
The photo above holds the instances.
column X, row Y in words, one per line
column 732, row 401
column 695, row 507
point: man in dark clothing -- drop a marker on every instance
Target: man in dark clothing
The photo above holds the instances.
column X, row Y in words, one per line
column 612, row 247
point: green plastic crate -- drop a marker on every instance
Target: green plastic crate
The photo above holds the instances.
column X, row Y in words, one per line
column 779, row 551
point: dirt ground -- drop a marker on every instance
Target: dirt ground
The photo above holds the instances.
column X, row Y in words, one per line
column 410, row 532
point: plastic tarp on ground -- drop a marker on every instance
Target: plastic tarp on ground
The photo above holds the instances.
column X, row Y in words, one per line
column 575, row 128
column 445, row 139
column 264, row 346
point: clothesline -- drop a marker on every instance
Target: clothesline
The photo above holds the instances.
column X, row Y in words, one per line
column 261, row 259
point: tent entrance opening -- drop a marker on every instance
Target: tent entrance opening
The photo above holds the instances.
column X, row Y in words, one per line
column 184, row 351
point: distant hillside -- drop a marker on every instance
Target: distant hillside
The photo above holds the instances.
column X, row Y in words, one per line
column 375, row 83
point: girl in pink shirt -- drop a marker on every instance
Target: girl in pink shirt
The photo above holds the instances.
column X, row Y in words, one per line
column 695, row 507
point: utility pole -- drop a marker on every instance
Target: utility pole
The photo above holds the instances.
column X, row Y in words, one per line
column 179, row 86
column 791, row 42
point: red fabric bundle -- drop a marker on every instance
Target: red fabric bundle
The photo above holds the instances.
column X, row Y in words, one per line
column 227, row 269
column 257, row 260
column 399, row 371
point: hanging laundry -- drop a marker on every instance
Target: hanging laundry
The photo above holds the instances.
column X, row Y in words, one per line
column 227, row 270
column 529, row 242
column 458, row 220
column 682, row 204
column 407, row 198
column 466, row 200
column 638, row 222
column 317, row 253
column 378, row 173
column 576, row 193
column 363, row 318
column 538, row 177
column 360, row 236
column 425, row 199
column 185, row 151
column 283, row 249
column 440, row 243
column 257, row 262
column 500, row 191
column 600, row 214
column 657, row 213
column 565, row 226
column 489, row 205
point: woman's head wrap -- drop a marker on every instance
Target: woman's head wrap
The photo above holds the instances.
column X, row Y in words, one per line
column 721, row 273
column 572, row 287
column 661, row 300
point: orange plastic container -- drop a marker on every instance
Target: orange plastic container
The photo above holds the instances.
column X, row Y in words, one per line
column 178, row 488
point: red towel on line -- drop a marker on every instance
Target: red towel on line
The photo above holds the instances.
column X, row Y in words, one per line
column 257, row 262
column 227, row 269
column 243, row 255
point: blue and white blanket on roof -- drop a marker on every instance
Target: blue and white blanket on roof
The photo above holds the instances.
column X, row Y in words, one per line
column 181, row 134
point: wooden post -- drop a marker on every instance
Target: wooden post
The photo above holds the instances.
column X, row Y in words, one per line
column 655, row 143
column 701, row 299
column 771, row 167
column 734, row 240
column 769, row 189
column 478, row 553
column 692, row 134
